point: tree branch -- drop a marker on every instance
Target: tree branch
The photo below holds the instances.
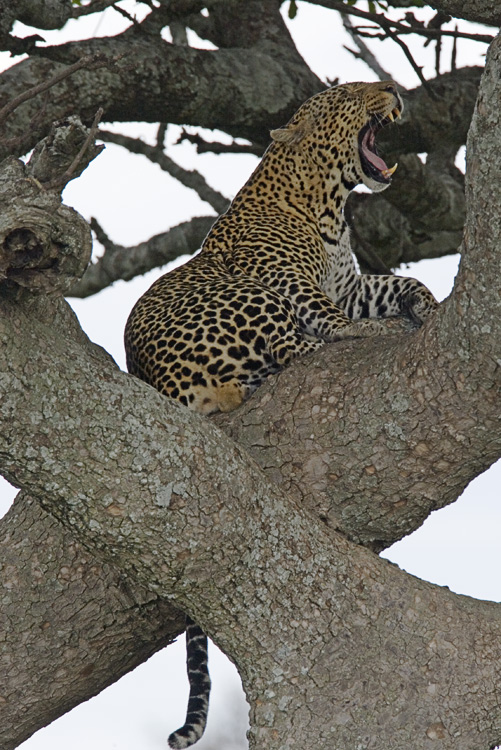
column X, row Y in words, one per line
column 479, row 11
column 88, row 151
column 189, row 178
column 42, row 14
column 217, row 78
column 215, row 147
column 88, row 61
column 124, row 263
column 364, row 52
column 44, row 569
column 170, row 489
column 44, row 246
column 400, row 27
column 95, row 6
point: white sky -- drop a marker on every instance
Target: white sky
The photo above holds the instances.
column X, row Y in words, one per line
column 132, row 199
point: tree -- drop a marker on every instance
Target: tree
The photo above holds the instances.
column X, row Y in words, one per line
column 109, row 538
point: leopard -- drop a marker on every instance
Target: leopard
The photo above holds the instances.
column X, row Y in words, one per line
column 275, row 279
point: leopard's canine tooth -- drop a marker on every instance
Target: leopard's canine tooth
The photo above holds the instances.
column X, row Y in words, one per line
column 387, row 173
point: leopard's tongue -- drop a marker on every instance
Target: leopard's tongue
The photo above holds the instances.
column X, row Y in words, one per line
column 370, row 155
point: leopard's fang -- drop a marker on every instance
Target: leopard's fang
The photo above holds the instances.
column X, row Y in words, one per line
column 387, row 173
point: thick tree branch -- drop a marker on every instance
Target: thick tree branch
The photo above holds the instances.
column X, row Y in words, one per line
column 159, row 490
column 115, row 627
column 125, row 263
column 43, row 245
column 43, row 14
column 256, row 87
column 218, row 91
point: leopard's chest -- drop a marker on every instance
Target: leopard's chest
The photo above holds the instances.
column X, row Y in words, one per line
column 341, row 271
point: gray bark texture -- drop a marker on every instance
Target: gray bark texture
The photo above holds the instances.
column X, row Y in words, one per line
column 263, row 524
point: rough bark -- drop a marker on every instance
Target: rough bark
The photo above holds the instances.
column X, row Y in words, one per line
column 65, row 653
column 329, row 639
column 245, row 90
column 481, row 11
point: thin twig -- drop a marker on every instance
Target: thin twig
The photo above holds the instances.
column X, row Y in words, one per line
column 216, row 147
column 413, row 63
column 162, row 130
column 454, row 54
column 386, row 23
column 102, row 237
column 438, row 51
column 125, row 14
column 364, row 52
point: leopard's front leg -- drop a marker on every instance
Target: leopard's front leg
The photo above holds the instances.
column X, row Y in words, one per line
column 375, row 296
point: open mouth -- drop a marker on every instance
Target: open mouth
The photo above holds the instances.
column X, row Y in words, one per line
column 372, row 164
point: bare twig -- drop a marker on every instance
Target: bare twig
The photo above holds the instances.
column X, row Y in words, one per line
column 403, row 28
column 392, row 35
column 102, row 237
column 454, row 53
column 189, row 178
column 162, row 130
column 125, row 14
column 438, row 51
column 364, row 52
column 215, row 147
column 436, row 23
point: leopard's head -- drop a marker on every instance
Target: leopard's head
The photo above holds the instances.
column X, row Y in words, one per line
column 337, row 129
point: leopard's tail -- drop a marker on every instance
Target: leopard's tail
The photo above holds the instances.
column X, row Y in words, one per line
column 198, row 676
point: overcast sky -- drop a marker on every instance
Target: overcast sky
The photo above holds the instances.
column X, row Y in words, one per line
column 132, row 199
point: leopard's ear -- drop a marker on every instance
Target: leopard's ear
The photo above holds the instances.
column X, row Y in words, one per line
column 294, row 132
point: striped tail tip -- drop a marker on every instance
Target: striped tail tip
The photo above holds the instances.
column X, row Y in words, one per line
column 198, row 702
